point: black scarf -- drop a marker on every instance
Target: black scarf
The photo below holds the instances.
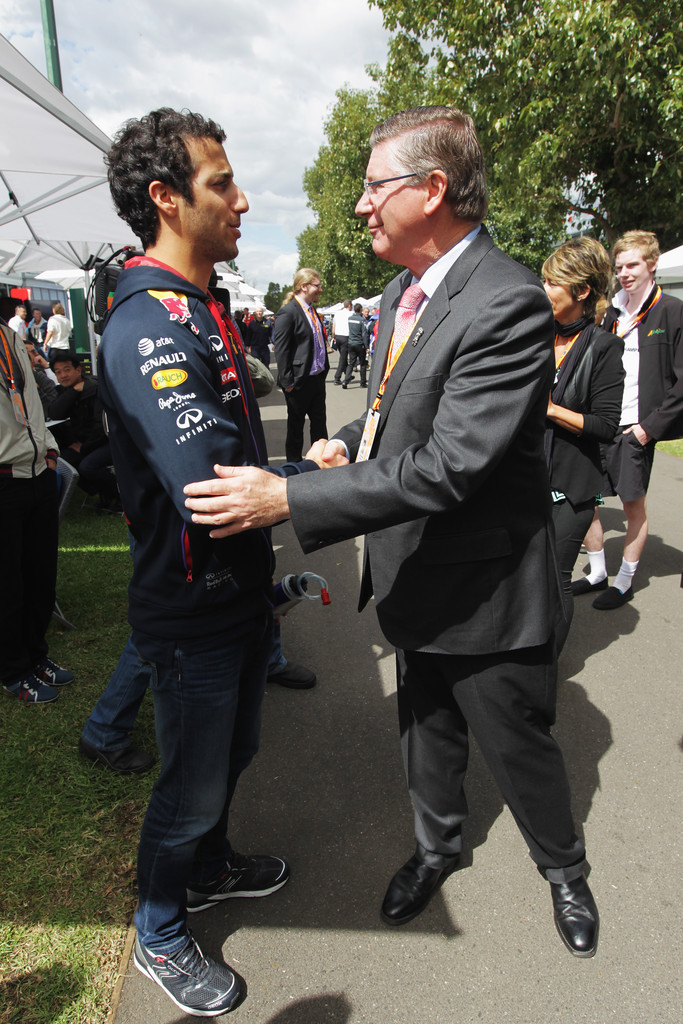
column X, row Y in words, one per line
column 586, row 326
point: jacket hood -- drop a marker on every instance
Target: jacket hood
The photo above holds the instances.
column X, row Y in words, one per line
column 139, row 276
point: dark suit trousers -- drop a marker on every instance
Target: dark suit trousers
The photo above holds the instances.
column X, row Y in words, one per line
column 343, row 350
column 307, row 399
column 571, row 523
column 358, row 354
column 508, row 702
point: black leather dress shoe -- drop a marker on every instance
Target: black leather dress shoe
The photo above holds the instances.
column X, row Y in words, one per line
column 576, row 916
column 584, row 587
column 128, row 761
column 411, row 889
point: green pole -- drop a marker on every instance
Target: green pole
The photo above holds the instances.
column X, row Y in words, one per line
column 51, row 47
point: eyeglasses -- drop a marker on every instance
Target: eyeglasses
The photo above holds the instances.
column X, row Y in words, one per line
column 370, row 186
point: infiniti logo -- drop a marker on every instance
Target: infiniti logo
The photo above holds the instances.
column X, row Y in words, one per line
column 189, row 418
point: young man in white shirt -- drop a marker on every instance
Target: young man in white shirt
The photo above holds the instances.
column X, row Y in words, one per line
column 650, row 323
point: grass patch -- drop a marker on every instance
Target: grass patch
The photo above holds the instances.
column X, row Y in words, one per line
column 672, row 447
column 69, row 827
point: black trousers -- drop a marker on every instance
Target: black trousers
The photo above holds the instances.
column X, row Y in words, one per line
column 508, row 702
column 571, row 524
column 307, row 399
column 359, row 354
column 94, row 474
column 343, row 350
column 29, row 525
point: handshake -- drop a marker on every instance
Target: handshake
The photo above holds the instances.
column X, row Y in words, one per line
column 327, row 454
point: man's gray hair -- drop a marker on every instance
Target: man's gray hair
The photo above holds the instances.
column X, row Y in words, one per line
column 439, row 138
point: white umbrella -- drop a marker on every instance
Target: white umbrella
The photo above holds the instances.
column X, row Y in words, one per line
column 57, row 198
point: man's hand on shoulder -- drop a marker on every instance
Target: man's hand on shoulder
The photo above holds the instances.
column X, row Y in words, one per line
column 238, row 498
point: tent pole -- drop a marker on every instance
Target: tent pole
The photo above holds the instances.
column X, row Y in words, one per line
column 54, row 72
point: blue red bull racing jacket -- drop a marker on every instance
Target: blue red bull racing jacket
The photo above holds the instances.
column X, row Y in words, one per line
column 178, row 398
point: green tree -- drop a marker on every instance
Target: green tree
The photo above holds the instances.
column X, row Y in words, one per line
column 579, row 107
column 339, row 245
column 274, row 296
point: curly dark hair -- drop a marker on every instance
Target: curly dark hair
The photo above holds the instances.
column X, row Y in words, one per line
column 152, row 148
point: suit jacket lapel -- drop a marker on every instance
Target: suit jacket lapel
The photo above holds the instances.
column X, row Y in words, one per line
column 438, row 307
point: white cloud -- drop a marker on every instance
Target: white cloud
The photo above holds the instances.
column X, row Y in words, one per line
column 266, row 71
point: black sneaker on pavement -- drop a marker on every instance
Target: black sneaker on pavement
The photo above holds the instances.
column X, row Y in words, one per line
column 195, row 983
column 245, row 876
column 52, row 673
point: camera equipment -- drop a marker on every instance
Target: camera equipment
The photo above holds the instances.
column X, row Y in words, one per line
column 103, row 284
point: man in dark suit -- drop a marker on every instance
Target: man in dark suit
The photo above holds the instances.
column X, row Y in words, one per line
column 449, row 484
column 301, row 354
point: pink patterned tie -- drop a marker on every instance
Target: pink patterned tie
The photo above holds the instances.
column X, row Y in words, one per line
column 405, row 314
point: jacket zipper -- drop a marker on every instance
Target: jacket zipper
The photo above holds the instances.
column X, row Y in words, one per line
column 187, row 553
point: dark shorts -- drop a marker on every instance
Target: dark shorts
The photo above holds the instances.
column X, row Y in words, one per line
column 627, row 466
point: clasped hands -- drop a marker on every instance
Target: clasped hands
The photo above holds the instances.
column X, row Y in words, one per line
column 248, row 498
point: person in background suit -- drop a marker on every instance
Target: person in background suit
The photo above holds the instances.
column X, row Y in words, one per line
column 301, row 354
column 449, row 483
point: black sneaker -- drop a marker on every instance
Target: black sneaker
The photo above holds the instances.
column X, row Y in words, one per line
column 195, row 983
column 245, row 876
column 52, row 673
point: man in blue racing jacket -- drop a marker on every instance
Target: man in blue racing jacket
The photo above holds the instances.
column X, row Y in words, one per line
column 177, row 392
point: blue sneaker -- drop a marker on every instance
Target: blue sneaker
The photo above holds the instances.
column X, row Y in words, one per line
column 31, row 690
column 195, row 983
column 52, row 673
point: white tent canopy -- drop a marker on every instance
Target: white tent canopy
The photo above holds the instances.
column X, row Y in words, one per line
column 55, row 207
column 670, row 265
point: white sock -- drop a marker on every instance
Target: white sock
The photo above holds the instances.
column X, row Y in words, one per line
column 598, row 568
column 624, row 578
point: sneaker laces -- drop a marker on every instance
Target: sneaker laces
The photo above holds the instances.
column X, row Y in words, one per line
column 237, row 862
column 191, row 960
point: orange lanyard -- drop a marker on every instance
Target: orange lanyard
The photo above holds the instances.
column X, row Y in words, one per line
column 655, row 300
column 313, row 320
column 392, row 359
column 558, row 362
column 7, row 371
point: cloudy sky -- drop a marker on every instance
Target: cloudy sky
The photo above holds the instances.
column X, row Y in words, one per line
column 266, row 70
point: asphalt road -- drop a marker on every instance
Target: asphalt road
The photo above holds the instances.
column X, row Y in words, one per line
column 327, row 792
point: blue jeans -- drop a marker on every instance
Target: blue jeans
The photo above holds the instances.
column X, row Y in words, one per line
column 207, row 706
column 113, row 717
column 277, row 662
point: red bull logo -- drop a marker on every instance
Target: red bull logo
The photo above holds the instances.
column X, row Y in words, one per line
column 175, row 303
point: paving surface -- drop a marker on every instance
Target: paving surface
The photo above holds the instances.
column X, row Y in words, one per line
column 327, row 792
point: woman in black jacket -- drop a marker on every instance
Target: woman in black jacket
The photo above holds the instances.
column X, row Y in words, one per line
column 585, row 401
